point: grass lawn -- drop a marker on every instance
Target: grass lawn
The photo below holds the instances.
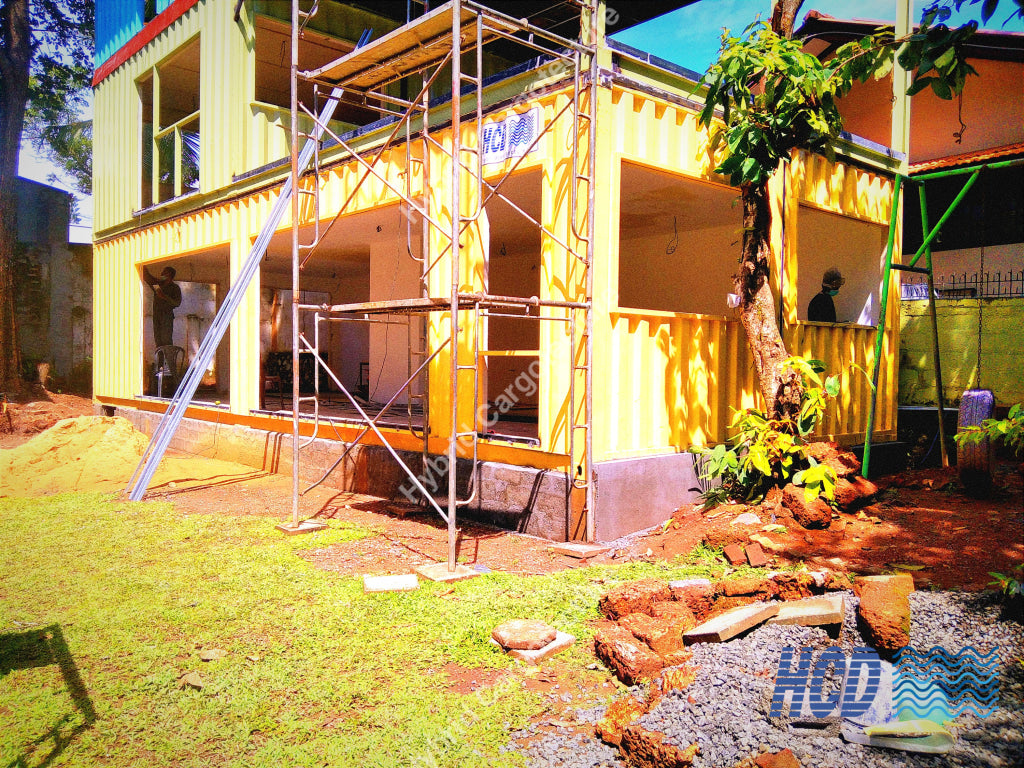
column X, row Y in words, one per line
column 105, row 605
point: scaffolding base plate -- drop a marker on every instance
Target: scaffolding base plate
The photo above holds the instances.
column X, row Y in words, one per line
column 440, row 572
column 577, row 549
column 304, row 526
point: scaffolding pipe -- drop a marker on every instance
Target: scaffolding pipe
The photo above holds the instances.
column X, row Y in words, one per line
column 295, row 258
column 376, row 431
column 456, row 253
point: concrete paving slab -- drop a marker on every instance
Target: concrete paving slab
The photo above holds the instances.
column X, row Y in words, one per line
column 304, row 526
column 562, row 641
column 578, row 549
column 811, row 611
column 403, row 582
column 731, row 623
column 440, row 572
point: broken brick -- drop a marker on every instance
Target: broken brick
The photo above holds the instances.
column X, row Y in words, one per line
column 699, row 598
column 734, row 554
column 793, row 586
column 619, row 714
column 815, row 513
column 756, row 556
column 663, row 635
column 843, row 463
column 630, row 659
column 671, row 609
column 634, row 597
column 885, row 612
column 751, row 586
column 783, row 759
column 647, row 749
column 854, row 493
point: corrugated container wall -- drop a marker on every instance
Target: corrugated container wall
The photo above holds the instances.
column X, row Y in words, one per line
column 227, row 85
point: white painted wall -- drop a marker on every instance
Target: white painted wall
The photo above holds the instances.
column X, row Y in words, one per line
column 856, row 247
column 997, row 258
column 695, row 278
column 393, row 275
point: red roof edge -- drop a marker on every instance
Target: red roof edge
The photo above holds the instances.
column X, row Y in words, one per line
column 146, row 35
column 969, row 158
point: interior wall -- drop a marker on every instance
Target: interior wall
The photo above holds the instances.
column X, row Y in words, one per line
column 679, row 241
column 513, row 271
column 345, row 344
column 856, row 247
column 204, row 283
column 393, row 275
column 695, row 278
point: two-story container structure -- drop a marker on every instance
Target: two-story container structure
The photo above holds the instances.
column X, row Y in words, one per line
column 580, row 343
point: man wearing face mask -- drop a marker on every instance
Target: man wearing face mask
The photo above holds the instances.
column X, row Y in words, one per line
column 822, row 308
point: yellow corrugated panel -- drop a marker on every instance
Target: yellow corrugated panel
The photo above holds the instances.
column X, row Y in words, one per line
column 227, row 84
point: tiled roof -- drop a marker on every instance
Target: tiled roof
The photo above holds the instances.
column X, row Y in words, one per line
column 970, row 158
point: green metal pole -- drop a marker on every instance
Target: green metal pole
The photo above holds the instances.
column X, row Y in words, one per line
column 935, row 328
column 949, row 212
column 886, row 276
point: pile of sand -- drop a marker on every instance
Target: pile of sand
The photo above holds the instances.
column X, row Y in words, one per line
column 90, row 453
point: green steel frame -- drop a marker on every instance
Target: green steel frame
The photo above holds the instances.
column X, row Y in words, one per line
column 924, row 250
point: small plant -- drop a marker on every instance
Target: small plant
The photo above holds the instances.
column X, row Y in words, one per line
column 1009, row 586
column 769, row 453
column 1009, row 431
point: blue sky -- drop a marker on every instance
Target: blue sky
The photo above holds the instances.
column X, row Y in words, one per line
column 688, row 37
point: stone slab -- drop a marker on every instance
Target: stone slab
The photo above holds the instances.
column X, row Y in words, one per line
column 562, row 641
column 747, row 518
column 404, row 582
column 524, row 634
column 731, row 623
column 578, row 549
column 811, row 611
column 304, row 526
column 440, row 572
column 680, row 583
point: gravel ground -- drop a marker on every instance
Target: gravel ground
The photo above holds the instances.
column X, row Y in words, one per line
column 735, row 681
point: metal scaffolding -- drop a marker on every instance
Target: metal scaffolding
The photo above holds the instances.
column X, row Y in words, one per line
column 444, row 39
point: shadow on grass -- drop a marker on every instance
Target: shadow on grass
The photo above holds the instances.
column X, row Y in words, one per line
column 42, row 647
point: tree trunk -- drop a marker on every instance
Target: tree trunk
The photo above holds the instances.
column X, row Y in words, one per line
column 15, row 59
column 784, row 16
column 781, row 388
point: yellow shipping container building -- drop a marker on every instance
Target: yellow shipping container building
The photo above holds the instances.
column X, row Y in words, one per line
column 594, row 254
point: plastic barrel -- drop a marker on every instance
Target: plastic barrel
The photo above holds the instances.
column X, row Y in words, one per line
column 975, row 460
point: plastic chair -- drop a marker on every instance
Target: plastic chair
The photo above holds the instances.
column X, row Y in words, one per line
column 169, row 361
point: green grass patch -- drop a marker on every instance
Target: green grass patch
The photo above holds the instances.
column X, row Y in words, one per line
column 104, row 605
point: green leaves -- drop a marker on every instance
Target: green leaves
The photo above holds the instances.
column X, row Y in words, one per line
column 769, row 453
column 817, row 480
column 1009, row 431
column 774, row 97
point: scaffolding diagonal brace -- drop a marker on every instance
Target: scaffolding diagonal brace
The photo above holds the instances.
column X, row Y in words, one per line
column 168, row 425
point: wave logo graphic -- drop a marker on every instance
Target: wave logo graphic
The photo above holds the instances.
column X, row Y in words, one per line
column 939, row 685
